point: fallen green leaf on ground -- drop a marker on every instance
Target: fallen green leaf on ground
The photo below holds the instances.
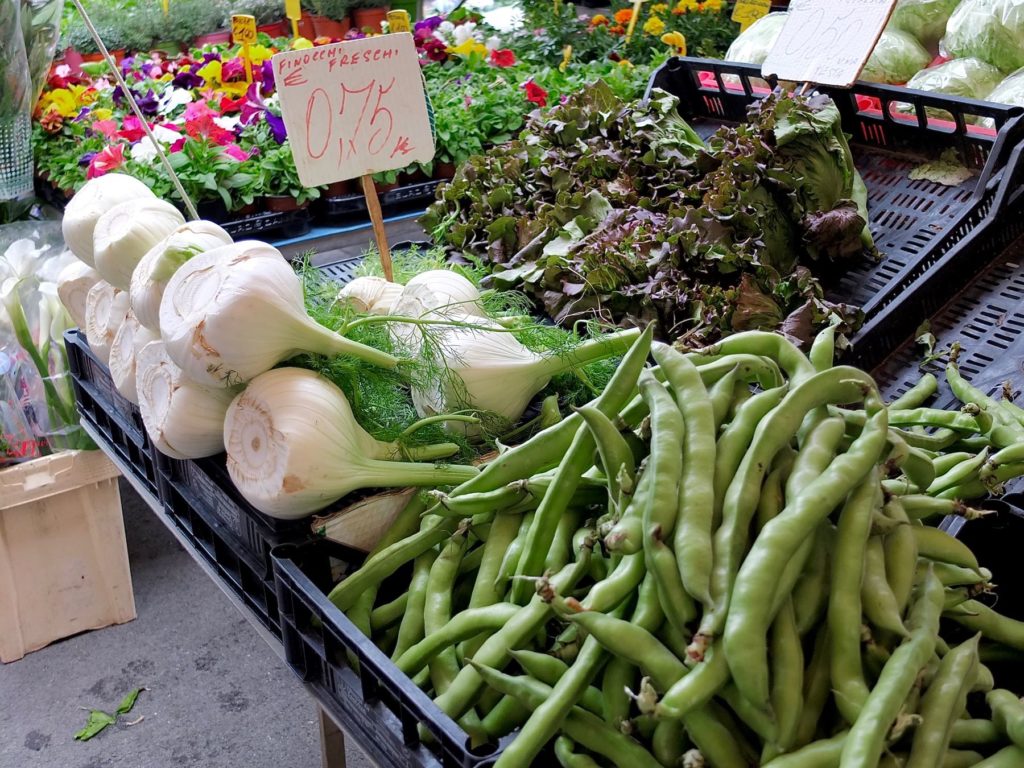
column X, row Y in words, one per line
column 99, row 720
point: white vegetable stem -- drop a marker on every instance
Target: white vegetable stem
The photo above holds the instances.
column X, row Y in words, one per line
column 294, row 447
column 128, row 342
column 106, row 308
column 73, row 285
column 90, row 202
column 492, row 371
column 127, row 232
column 370, row 295
column 183, row 419
column 232, row 313
column 158, row 265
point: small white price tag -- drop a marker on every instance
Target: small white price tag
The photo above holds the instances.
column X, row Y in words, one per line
column 827, row 41
column 354, row 108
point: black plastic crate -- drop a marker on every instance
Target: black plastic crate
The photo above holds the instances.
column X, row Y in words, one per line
column 284, row 224
column 397, row 200
column 204, row 484
column 244, row 572
column 378, row 704
column 918, row 225
column 110, row 413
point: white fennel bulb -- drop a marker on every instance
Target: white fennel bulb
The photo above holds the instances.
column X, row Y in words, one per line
column 370, row 295
column 183, row 419
column 232, row 313
column 73, row 285
column 128, row 342
column 90, row 202
column 447, row 291
column 294, row 447
column 127, row 232
column 158, row 265
column 106, row 308
column 489, row 370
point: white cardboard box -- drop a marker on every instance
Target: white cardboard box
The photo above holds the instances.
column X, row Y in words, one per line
column 63, row 559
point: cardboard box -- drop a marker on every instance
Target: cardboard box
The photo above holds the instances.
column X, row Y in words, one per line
column 63, row 559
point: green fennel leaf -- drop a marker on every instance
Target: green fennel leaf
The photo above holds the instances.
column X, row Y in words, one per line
column 129, row 701
column 97, row 722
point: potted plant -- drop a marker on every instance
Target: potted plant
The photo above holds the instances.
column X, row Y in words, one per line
column 204, row 22
column 269, row 15
column 331, row 18
column 367, row 15
column 305, row 24
column 282, row 189
column 142, row 26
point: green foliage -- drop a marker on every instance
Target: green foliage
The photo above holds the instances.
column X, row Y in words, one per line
column 332, row 9
column 265, row 11
column 188, row 19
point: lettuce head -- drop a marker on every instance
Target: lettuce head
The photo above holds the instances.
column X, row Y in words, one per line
column 924, row 19
column 969, row 78
column 897, row 57
column 754, row 43
column 990, row 30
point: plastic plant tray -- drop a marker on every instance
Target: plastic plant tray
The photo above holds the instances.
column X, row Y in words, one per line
column 117, row 419
column 916, row 224
column 353, row 679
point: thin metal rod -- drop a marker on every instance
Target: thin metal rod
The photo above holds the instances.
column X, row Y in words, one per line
column 138, row 112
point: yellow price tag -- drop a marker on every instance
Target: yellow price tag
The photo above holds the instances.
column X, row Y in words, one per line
column 243, row 29
column 746, row 12
column 398, row 21
column 633, row 19
column 566, row 55
column 293, row 9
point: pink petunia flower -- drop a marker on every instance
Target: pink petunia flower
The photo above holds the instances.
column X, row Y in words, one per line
column 109, row 159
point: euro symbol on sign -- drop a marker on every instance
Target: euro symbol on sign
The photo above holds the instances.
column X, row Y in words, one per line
column 402, row 146
column 294, row 78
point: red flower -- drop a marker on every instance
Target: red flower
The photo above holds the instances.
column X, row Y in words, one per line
column 503, row 58
column 110, row 159
column 229, row 105
column 132, row 130
column 106, row 127
column 236, row 152
column 536, row 94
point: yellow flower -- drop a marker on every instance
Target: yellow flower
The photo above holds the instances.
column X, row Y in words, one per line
column 468, row 48
column 654, row 26
column 101, row 113
column 60, row 99
column 598, row 19
column 211, row 72
column 84, row 95
column 712, row 6
column 659, row 8
column 687, row 5
column 258, row 54
column 677, row 41
column 625, row 63
column 301, row 44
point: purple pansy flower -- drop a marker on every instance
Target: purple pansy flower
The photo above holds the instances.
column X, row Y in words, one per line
column 85, row 159
column 187, row 81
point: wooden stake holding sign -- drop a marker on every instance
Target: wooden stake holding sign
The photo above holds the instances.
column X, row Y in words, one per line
column 353, row 109
column 243, row 32
column 827, row 41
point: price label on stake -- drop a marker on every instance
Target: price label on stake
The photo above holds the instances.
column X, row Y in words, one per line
column 827, row 41
column 293, row 12
column 746, row 12
column 354, row 109
column 398, row 21
column 243, row 29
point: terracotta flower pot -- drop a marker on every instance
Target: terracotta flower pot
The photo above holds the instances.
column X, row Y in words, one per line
column 282, row 203
column 88, row 58
column 325, row 27
column 369, row 17
column 306, row 28
column 213, row 38
column 274, row 29
column 444, row 170
column 337, row 189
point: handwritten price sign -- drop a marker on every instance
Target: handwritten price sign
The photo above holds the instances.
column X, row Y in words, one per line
column 354, row 108
column 827, row 41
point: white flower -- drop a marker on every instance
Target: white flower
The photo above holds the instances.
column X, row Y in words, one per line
column 173, row 98
column 227, row 122
column 165, row 135
column 143, row 151
column 493, row 43
column 60, row 320
column 20, row 259
column 465, row 32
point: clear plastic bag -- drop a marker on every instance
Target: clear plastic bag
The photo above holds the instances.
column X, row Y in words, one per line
column 970, row 78
column 990, row 30
column 15, row 106
column 754, row 44
column 924, row 19
column 40, row 26
column 897, row 57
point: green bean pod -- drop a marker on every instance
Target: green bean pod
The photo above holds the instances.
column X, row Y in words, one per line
column 618, row 677
column 824, row 753
column 810, row 596
column 437, row 610
column 817, row 687
column 410, row 631
column 938, row 545
column 787, row 691
column 943, row 702
column 900, row 558
column 880, row 604
column 466, row 624
column 959, row 474
column 1007, row 714
column 720, row 396
column 918, row 394
column 866, row 740
column 692, row 539
column 549, row 670
column 974, row 733
column 1008, row 757
column 696, row 688
column 616, row 455
column 567, row 758
column 668, row 742
column 823, row 349
column 715, row 740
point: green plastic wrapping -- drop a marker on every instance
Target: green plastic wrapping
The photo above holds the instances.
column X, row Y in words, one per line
column 897, row 57
column 990, row 30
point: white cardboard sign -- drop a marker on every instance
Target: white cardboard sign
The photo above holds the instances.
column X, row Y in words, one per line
column 354, row 108
column 827, row 41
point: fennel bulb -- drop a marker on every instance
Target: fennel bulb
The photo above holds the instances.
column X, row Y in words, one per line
column 183, row 419
column 128, row 342
column 154, row 270
column 232, row 313
column 127, row 232
column 446, row 290
column 73, row 285
column 106, row 308
column 92, row 201
column 370, row 295
column 491, row 371
column 294, row 447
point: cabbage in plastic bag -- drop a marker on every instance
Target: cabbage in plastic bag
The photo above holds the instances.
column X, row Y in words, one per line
column 991, row 30
column 970, row 78
column 897, row 58
column 1010, row 91
column 755, row 43
column 924, row 19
